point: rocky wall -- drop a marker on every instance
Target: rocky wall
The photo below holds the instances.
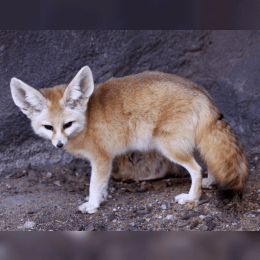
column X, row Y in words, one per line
column 225, row 63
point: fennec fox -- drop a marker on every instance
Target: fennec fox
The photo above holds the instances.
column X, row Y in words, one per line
column 147, row 111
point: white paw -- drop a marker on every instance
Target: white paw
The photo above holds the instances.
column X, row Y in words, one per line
column 184, row 198
column 206, row 183
column 87, row 208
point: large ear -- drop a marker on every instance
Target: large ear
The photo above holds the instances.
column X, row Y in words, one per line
column 80, row 89
column 27, row 98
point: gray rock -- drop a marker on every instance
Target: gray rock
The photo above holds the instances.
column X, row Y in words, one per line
column 163, row 207
column 169, row 217
column 225, row 63
column 29, row 224
column 208, row 219
column 57, row 183
column 204, row 228
column 90, row 228
column 188, row 216
column 194, row 224
column 211, row 225
column 183, row 223
column 142, row 211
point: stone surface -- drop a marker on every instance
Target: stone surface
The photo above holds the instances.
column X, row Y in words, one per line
column 29, row 224
column 225, row 63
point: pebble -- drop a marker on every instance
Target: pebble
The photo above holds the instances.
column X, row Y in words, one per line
column 57, row 183
column 204, row 228
column 21, row 227
column 90, row 228
column 194, row 224
column 203, row 202
column 142, row 211
column 113, row 189
column 163, row 207
column 208, row 219
column 186, row 217
column 169, row 217
column 183, row 224
column 32, row 211
column 81, row 228
column 211, row 226
column 132, row 224
column 49, row 174
column 29, row 224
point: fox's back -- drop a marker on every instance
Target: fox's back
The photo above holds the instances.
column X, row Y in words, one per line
column 146, row 91
column 131, row 111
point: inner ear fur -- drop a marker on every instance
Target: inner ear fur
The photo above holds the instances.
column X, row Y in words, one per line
column 79, row 89
column 26, row 98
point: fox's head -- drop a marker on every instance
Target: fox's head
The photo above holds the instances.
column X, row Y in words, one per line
column 56, row 113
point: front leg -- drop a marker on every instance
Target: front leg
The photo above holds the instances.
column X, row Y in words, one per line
column 101, row 169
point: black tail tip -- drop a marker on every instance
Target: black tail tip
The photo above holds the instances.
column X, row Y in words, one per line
column 228, row 194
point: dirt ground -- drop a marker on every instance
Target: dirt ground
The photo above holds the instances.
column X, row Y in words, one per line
column 48, row 199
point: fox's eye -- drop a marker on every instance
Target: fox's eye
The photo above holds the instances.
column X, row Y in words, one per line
column 67, row 125
column 49, row 127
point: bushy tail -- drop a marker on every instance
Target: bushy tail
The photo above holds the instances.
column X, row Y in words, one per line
column 225, row 158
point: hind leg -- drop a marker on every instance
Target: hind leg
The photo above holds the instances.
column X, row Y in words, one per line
column 210, row 180
column 195, row 190
column 185, row 159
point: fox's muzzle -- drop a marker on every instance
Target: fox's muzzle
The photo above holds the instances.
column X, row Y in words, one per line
column 59, row 145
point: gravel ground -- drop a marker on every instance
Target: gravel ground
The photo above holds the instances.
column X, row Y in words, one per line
column 48, row 199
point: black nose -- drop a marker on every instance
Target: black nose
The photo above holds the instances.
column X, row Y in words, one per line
column 59, row 145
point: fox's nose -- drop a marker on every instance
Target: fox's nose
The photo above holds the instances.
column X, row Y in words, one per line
column 59, row 145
